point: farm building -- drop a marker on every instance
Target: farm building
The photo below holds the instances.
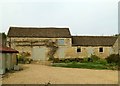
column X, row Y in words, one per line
column 101, row 46
column 37, row 41
column 7, row 58
column 44, row 43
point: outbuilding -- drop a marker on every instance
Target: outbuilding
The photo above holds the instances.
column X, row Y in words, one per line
column 7, row 58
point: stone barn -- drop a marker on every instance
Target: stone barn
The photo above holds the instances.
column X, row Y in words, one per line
column 40, row 43
column 102, row 46
column 45, row 43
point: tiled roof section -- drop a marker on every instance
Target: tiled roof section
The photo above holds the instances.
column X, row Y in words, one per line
column 93, row 40
column 5, row 49
column 48, row 32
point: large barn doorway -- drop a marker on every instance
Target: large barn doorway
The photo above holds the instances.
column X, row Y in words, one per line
column 61, row 52
column 39, row 53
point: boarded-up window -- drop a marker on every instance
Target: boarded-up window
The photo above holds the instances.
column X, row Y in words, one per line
column 78, row 49
column 61, row 42
column 111, row 50
column 101, row 49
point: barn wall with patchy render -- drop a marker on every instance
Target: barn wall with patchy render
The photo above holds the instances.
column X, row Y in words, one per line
column 32, row 40
column 36, row 45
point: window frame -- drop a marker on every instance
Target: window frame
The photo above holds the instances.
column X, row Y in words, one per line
column 79, row 50
column 60, row 42
column 101, row 51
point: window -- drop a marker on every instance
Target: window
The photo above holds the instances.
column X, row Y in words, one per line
column 78, row 49
column 100, row 49
column 61, row 42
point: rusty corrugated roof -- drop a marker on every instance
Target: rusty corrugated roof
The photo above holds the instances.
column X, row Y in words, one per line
column 5, row 49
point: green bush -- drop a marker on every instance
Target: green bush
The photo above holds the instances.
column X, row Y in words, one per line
column 101, row 61
column 23, row 58
column 20, row 58
column 67, row 60
column 78, row 59
column 94, row 58
column 74, row 63
column 71, row 59
column 85, row 59
column 62, row 60
column 90, row 60
column 113, row 58
column 56, row 60
column 50, row 58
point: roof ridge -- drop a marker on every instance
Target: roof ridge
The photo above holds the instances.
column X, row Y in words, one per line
column 41, row 27
column 94, row 36
column 51, row 32
column 94, row 40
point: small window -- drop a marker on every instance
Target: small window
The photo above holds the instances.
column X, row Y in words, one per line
column 78, row 49
column 61, row 42
column 100, row 49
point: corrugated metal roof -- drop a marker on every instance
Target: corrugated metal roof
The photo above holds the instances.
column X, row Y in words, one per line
column 5, row 49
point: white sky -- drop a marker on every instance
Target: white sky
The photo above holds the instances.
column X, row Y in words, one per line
column 83, row 17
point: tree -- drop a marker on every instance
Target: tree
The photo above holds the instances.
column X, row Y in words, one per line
column 3, row 38
column 117, row 34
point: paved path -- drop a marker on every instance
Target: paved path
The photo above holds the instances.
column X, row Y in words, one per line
column 41, row 74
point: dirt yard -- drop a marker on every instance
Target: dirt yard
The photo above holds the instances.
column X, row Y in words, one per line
column 41, row 74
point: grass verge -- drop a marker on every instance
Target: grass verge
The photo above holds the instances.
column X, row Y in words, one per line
column 88, row 65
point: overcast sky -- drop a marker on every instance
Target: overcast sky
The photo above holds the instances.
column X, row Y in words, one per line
column 83, row 17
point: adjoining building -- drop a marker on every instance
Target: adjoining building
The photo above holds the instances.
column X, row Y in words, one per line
column 34, row 41
column 101, row 46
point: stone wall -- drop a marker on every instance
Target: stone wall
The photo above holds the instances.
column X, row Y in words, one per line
column 64, row 51
column 116, row 46
column 87, row 51
column 28, row 44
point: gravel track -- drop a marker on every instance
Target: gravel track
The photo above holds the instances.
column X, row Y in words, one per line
column 41, row 74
